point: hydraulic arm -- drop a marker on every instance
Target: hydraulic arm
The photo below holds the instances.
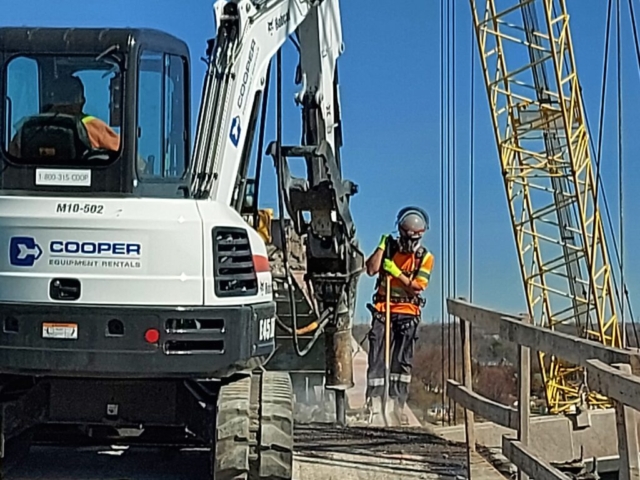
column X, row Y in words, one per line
column 250, row 33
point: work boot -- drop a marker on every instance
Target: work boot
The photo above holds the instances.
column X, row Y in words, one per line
column 375, row 405
column 376, row 417
column 398, row 412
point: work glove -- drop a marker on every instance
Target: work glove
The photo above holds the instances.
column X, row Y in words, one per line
column 391, row 268
column 383, row 242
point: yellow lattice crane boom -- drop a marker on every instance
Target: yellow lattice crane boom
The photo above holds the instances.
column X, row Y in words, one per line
column 540, row 129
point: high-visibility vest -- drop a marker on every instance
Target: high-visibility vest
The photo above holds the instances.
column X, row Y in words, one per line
column 401, row 301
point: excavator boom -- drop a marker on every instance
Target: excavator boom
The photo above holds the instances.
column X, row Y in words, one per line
column 249, row 35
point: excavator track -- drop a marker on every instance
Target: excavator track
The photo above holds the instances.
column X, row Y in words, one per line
column 231, row 451
column 275, row 446
column 254, row 429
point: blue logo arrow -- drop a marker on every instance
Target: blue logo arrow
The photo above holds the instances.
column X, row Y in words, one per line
column 234, row 133
column 24, row 251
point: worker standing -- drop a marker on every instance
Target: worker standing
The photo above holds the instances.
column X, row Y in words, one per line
column 407, row 265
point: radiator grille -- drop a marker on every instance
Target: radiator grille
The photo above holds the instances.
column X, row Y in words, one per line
column 234, row 272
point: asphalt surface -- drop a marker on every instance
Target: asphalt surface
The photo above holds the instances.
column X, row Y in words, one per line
column 436, row 456
column 378, row 441
column 428, row 453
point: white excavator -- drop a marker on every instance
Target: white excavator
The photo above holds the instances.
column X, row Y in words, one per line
column 136, row 292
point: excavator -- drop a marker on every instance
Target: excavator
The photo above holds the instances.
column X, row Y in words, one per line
column 136, row 289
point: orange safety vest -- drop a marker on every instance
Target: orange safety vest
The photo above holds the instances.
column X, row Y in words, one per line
column 417, row 267
column 100, row 134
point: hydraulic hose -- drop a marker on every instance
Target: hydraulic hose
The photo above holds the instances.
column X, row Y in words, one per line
column 295, row 331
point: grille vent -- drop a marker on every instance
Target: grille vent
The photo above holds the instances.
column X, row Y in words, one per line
column 234, row 272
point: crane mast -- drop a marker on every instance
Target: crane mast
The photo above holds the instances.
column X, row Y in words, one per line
column 537, row 110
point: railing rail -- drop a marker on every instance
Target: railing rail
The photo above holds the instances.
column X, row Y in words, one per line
column 609, row 372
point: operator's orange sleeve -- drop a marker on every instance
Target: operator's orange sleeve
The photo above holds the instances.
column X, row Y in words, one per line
column 101, row 135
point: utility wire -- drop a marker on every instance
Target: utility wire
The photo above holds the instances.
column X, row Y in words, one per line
column 620, row 188
column 471, row 194
column 454, row 280
column 634, row 24
column 599, row 182
column 471, row 171
column 471, row 161
column 635, row 32
column 448, row 180
column 601, row 123
column 451, row 198
column 442, row 222
column 598, row 151
column 611, row 230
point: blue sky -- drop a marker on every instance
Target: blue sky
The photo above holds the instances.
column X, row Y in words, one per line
column 390, row 79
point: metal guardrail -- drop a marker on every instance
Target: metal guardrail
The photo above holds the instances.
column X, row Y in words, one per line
column 609, row 371
column 488, row 409
column 617, row 383
column 528, row 462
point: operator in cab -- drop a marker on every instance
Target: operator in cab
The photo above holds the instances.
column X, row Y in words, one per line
column 407, row 265
column 67, row 97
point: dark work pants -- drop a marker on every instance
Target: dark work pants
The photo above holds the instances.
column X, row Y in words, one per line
column 403, row 337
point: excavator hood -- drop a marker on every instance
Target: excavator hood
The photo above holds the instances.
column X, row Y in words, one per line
column 126, row 252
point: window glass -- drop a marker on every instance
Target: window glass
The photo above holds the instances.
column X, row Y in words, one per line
column 58, row 110
column 23, row 91
column 161, row 116
column 175, row 128
column 150, row 114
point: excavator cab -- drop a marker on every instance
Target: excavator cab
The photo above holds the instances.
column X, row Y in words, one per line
column 100, row 111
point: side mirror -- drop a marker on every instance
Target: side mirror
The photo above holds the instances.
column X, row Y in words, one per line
column 115, row 100
column 249, row 194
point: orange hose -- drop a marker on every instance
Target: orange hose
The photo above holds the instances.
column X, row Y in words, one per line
column 308, row 329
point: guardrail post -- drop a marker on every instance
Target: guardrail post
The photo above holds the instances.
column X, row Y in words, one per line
column 626, row 426
column 524, row 395
column 467, row 379
column 468, row 382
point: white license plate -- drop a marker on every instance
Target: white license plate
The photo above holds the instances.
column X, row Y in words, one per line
column 64, row 331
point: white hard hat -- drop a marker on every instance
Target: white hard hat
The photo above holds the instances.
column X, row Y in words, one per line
column 412, row 222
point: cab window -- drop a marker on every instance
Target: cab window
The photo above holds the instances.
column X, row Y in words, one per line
column 162, row 136
column 58, row 110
